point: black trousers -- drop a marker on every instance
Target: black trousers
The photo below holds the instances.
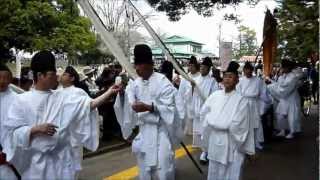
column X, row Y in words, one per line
column 267, row 124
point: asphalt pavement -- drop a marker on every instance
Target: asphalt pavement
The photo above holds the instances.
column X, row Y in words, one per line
column 281, row 159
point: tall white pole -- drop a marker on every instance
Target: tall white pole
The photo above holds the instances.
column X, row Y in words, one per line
column 19, row 56
column 219, row 34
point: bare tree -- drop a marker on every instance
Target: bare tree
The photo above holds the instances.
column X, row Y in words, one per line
column 111, row 12
column 115, row 15
column 120, row 20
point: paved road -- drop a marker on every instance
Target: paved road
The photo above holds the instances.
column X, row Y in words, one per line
column 281, row 160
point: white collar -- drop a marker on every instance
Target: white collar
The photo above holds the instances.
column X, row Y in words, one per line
column 229, row 93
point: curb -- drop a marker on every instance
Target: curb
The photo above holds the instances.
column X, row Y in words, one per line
column 106, row 149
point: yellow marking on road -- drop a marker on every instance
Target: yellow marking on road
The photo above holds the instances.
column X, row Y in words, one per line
column 133, row 172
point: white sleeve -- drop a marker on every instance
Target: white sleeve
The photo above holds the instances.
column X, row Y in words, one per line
column 284, row 89
column 289, row 85
column 125, row 116
column 206, row 129
column 264, row 94
column 273, row 89
column 165, row 105
column 16, row 130
column 84, row 128
column 205, row 109
column 241, row 130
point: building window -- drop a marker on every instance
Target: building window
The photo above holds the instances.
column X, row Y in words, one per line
column 194, row 49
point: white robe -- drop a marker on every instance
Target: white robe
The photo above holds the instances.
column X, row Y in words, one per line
column 77, row 150
column 207, row 85
column 288, row 109
column 227, row 135
column 157, row 131
column 184, row 88
column 47, row 157
column 251, row 89
column 6, row 98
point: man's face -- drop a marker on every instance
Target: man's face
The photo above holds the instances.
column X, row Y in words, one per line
column 230, row 80
column 192, row 68
column 5, row 80
column 247, row 72
column 204, row 70
column 48, row 79
column 66, row 79
column 144, row 70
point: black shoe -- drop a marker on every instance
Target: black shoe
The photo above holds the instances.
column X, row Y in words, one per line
column 204, row 162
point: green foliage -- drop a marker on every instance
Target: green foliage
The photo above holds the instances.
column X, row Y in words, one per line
column 298, row 28
column 176, row 8
column 36, row 25
column 246, row 44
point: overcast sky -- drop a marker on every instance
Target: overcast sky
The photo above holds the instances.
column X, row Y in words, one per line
column 206, row 29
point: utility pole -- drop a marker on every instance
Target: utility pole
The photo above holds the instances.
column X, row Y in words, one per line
column 219, row 37
column 127, row 30
column 240, row 40
column 219, row 32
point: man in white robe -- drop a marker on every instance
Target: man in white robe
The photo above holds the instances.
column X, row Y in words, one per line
column 70, row 81
column 184, row 88
column 288, row 110
column 6, row 97
column 227, row 134
column 149, row 102
column 44, row 126
column 207, row 85
column 250, row 87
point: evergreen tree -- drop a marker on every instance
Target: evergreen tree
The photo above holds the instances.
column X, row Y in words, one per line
column 298, row 29
column 246, row 44
column 176, row 8
column 33, row 25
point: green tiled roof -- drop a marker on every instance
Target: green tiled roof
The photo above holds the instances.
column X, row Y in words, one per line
column 180, row 39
